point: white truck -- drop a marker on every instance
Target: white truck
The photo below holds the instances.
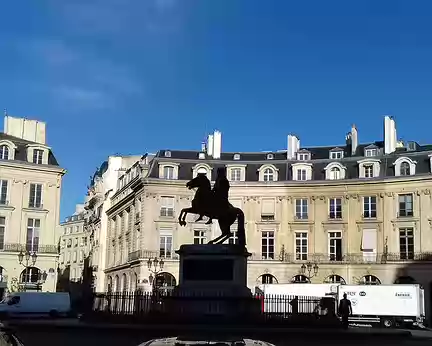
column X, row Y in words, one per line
column 388, row 305
column 276, row 298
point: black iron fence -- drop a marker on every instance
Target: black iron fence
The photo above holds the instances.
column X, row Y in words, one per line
column 166, row 306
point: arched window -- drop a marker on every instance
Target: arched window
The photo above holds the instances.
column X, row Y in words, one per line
column 405, row 168
column 4, row 152
column 267, row 279
column 335, row 279
column 124, row 283
column 268, row 174
column 405, row 280
column 201, row 170
column 335, row 173
column 30, row 275
column 109, row 283
column 165, row 281
column 300, row 279
column 369, row 280
column 116, row 283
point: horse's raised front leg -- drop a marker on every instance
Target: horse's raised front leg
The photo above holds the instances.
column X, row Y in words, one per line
column 183, row 214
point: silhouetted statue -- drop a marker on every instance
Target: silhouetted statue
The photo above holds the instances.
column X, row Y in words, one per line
column 215, row 205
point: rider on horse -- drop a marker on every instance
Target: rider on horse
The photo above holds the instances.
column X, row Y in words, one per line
column 220, row 193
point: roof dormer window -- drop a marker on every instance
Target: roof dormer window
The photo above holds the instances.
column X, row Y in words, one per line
column 167, row 153
column 38, row 156
column 303, row 155
column 201, row 156
column 236, row 157
column 336, row 155
column 270, row 156
column 371, row 152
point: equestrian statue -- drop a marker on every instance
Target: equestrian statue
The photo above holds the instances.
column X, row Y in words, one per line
column 215, row 205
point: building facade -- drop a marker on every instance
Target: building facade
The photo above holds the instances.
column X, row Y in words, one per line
column 353, row 213
column 98, row 200
column 30, row 181
column 74, row 245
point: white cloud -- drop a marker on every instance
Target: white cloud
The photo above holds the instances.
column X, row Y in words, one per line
column 77, row 97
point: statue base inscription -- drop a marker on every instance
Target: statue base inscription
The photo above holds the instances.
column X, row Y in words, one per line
column 213, row 281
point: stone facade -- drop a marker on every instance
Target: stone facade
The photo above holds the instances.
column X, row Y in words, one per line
column 31, row 182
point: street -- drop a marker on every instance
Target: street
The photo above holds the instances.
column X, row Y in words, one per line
column 47, row 333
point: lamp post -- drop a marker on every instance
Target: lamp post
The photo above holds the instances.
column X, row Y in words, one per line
column 27, row 260
column 311, row 269
column 155, row 266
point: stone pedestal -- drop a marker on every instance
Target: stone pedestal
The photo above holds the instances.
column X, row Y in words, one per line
column 213, row 281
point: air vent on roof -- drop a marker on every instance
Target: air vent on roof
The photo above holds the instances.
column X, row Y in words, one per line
column 167, row 153
column 411, row 146
column 201, row 156
column 270, row 156
column 236, row 156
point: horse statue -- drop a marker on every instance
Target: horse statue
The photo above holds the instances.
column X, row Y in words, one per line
column 204, row 204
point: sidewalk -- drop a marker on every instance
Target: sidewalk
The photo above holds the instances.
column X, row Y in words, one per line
column 180, row 329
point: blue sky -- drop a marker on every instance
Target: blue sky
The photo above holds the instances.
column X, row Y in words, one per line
column 135, row 76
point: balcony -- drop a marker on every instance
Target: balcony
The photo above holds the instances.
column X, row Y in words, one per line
column 354, row 258
column 146, row 254
column 15, row 247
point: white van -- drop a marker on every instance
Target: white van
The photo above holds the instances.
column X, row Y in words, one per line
column 35, row 304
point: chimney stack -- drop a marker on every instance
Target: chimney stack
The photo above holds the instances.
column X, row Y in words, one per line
column 210, row 145
column 354, row 139
column 390, row 137
column 214, row 145
column 293, row 147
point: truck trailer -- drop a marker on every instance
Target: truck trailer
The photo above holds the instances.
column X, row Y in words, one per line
column 387, row 305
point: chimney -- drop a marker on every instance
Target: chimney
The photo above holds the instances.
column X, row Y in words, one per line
column 210, row 145
column 390, row 137
column 293, row 146
column 354, row 139
column 217, row 144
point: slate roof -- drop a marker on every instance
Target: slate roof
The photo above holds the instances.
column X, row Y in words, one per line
column 319, row 159
column 21, row 150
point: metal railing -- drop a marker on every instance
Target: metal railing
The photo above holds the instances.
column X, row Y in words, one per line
column 146, row 254
column 16, row 247
column 165, row 303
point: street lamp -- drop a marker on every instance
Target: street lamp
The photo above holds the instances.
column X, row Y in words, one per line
column 312, row 269
column 27, row 260
column 155, row 266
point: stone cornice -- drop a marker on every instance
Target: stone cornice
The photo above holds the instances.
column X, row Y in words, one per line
column 31, row 166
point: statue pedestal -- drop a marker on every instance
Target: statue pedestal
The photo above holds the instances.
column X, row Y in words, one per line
column 213, row 281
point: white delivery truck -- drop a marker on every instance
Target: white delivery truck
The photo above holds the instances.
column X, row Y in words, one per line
column 276, row 298
column 35, row 304
column 388, row 305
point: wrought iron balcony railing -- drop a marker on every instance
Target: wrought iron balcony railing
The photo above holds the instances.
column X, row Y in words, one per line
column 16, row 247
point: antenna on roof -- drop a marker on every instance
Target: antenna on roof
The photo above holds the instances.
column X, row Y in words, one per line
column 5, row 112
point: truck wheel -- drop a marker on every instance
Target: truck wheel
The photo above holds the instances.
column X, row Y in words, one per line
column 387, row 322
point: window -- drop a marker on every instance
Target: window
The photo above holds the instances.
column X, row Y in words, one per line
column 405, row 205
column 268, row 174
column 371, row 152
column 167, row 153
column 200, row 237
column 2, row 231
column 165, row 248
column 76, row 242
column 270, row 156
column 167, row 206
column 33, row 230
column 335, row 173
column 38, row 156
column 75, row 256
column 369, row 245
column 335, row 155
column 335, row 279
column 301, row 209
column 335, row 245
column 267, row 245
column 84, row 240
column 335, row 208
column 236, row 157
column 406, row 243
column 370, row 207
column 405, row 168
column 4, row 152
column 235, row 174
column 370, row 280
column 234, row 238
column 69, row 242
column 268, row 209
column 303, row 156
column 3, row 192
column 202, row 170
column 301, row 246
column 368, row 171
column 35, row 200
column 168, row 172
column 301, row 174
